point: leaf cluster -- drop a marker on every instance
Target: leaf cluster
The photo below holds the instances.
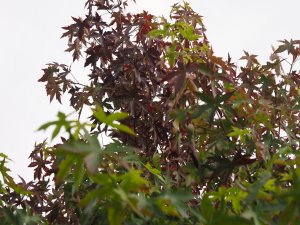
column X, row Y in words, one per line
column 194, row 140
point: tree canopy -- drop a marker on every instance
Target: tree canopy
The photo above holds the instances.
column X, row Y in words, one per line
column 194, row 139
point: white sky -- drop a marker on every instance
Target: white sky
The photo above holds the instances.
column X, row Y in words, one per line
column 30, row 38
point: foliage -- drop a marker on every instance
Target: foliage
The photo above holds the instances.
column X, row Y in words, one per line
column 195, row 140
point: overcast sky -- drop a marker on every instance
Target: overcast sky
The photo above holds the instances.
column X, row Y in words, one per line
column 30, row 38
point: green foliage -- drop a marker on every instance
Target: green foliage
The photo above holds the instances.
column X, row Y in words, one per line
column 194, row 140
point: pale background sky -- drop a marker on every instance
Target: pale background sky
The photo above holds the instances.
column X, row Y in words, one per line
column 30, row 38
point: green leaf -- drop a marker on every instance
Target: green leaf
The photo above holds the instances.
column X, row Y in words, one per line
column 99, row 114
column 155, row 172
column 114, row 216
column 152, row 170
column 223, row 98
column 56, row 130
column 199, row 110
column 241, row 133
column 187, row 31
column 206, row 98
column 198, row 215
column 59, row 124
column 78, row 173
column 46, row 125
column 4, row 156
column 80, row 147
column 178, row 199
column 171, row 54
column 64, row 167
column 117, row 147
column 255, row 188
column 297, row 105
column 228, row 109
column 104, row 192
column 211, row 114
column 116, row 116
column 10, row 217
column 133, row 181
column 251, row 214
column 157, row 32
column 207, row 208
column 180, row 115
column 123, row 128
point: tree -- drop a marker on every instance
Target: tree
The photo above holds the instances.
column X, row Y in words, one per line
column 199, row 141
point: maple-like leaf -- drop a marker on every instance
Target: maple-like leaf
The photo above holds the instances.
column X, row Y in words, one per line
column 53, row 90
column 251, row 59
column 287, row 46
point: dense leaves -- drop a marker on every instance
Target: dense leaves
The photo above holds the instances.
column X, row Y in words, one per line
column 194, row 140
